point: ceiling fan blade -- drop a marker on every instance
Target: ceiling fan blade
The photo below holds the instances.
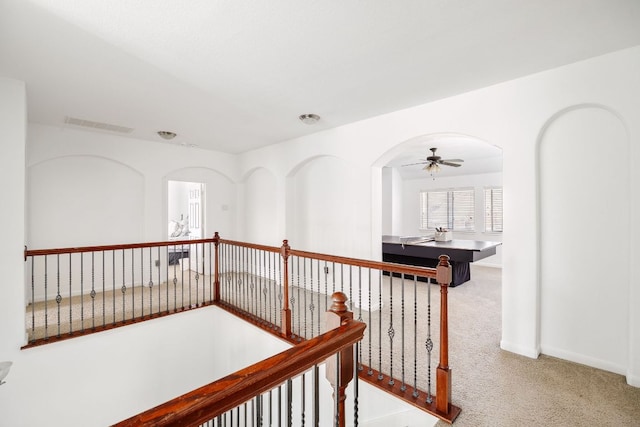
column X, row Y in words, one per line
column 452, row 160
column 450, row 164
column 413, row 164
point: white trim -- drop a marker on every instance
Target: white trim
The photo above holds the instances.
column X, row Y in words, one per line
column 532, row 353
column 585, row 360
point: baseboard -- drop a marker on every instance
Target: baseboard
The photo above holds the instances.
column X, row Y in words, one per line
column 633, row 380
column 532, row 353
column 487, row 264
column 585, row 360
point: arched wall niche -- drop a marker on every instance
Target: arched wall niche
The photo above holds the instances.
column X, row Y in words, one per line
column 583, row 221
column 260, row 207
column 71, row 198
column 319, row 215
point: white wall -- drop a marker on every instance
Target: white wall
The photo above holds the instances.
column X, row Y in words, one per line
column 511, row 115
column 13, row 122
column 411, row 189
column 392, row 206
column 79, row 179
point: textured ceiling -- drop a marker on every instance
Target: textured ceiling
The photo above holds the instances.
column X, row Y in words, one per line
column 234, row 75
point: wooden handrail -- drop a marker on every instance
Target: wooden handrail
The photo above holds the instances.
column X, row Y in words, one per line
column 385, row 266
column 376, row 265
column 216, row 398
column 39, row 252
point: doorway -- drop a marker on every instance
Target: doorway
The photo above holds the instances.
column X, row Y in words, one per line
column 185, row 214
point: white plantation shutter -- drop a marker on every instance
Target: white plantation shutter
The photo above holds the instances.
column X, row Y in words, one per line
column 453, row 210
column 493, row 209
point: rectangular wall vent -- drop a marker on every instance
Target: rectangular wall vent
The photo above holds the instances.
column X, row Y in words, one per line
column 97, row 125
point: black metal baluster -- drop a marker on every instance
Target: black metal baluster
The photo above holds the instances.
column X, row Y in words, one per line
column 181, row 275
column 429, row 343
column 159, row 283
column 369, row 325
column 391, row 332
column 304, row 281
column 279, row 405
column 403, row 386
column 360, row 301
column 133, row 285
column 380, row 377
column 124, row 287
column 415, row 336
column 70, row 299
column 302, row 402
column 113, row 281
column 104, row 307
column 336, row 392
column 316, row 395
column 300, row 306
column 189, row 276
column 46, row 296
column 357, row 355
column 311, row 305
column 197, row 275
column 150, row 283
column 93, row 292
column 82, row 291
column 166, row 268
column 33, row 298
column 289, row 403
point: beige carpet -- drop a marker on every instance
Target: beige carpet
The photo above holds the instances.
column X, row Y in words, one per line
column 497, row 388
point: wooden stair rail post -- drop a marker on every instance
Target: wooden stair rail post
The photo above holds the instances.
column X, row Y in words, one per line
column 443, row 373
column 216, row 270
column 337, row 315
column 285, row 318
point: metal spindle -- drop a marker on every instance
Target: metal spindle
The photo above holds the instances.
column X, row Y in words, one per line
column 82, row 291
column 403, row 386
column 104, row 308
column 289, row 403
column 316, row 395
column 429, row 344
column 311, row 305
column 415, row 336
column 70, row 296
column 33, row 298
column 302, row 403
column 391, row 332
column 369, row 324
column 93, row 292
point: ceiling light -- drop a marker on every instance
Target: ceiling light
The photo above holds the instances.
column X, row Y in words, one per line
column 309, row 119
column 432, row 167
column 166, row 134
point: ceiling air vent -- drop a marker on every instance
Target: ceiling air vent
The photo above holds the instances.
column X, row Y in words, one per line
column 97, row 125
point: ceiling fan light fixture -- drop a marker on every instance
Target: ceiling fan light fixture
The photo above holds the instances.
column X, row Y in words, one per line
column 309, row 119
column 432, row 168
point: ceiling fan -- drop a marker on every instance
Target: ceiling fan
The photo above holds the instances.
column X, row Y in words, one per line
column 434, row 161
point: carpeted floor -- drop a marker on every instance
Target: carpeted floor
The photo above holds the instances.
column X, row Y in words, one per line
column 498, row 388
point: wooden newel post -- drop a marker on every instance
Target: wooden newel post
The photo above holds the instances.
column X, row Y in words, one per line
column 216, row 271
column 285, row 318
column 443, row 373
column 337, row 315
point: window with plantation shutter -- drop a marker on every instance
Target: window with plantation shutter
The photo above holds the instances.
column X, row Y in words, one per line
column 453, row 210
column 493, row 209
